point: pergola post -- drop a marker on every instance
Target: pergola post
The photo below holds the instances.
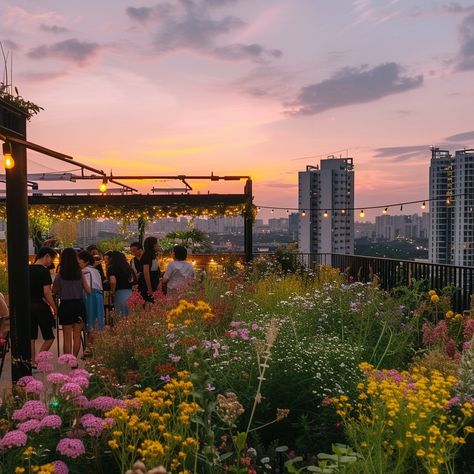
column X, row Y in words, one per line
column 13, row 122
column 141, row 229
column 248, row 222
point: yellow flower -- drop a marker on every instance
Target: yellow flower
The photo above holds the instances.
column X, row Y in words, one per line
column 435, row 298
column 113, row 444
column 420, row 453
column 469, row 429
column 19, row 470
column 431, row 292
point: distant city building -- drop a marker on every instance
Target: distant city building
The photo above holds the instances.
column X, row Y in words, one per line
column 87, row 232
column 293, row 225
column 364, row 230
column 278, row 224
column 413, row 226
column 452, row 207
column 320, row 189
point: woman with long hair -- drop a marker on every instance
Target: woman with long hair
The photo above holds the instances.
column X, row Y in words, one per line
column 95, row 299
column 121, row 278
column 150, row 276
column 70, row 284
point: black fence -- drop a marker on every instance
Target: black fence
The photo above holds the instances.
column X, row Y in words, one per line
column 390, row 273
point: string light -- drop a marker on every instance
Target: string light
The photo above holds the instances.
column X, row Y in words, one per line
column 103, row 186
column 303, row 213
column 362, row 213
column 448, row 200
column 385, row 210
column 325, row 214
column 401, row 207
column 273, row 211
column 8, row 160
column 343, row 211
column 423, row 206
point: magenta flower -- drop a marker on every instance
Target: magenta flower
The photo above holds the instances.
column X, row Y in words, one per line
column 104, row 403
column 68, row 359
column 57, row 378
column 81, row 381
column 93, row 425
column 71, row 388
column 31, row 409
column 34, row 386
column 44, row 356
column 81, row 401
column 71, row 447
column 45, row 367
column 30, row 425
column 175, row 358
column 24, row 380
column 51, row 421
column 13, row 439
column 80, row 373
column 60, row 467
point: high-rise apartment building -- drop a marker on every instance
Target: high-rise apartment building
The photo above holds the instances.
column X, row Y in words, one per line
column 451, row 207
column 412, row 226
column 326, row 200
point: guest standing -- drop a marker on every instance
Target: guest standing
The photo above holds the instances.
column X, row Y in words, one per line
column 95, row 299
column 43, row 308
column 150, row 277
column 69, row 285
column 179, row 273
column 121, row 278
column 136, row 249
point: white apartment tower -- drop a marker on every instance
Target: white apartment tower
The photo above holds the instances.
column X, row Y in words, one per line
column 451, row 207
column 326, row 200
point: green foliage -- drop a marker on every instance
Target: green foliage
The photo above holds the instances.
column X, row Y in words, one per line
column 115, row 243
column 192, row 238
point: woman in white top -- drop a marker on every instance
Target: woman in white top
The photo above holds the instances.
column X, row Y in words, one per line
column 179, row 273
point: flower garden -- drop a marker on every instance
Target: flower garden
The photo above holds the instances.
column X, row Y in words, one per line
column 257, row 370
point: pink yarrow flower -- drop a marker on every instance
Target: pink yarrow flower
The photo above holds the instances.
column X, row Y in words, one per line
column 24, row 380
column 51, row 421
column 30, row 425
column 60, row 467
column 71, row 447
column 45, row 367
column 104, row 403
column 93, row 425
column 71, row 388
column 34, row 386
column 31, row 409
column 44, row 356
column 68, row 359
column 57, row 378
column 13, row 439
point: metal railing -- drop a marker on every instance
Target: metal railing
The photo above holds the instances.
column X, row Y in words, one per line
column 390, row 273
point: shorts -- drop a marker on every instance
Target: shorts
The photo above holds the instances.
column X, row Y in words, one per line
column 71, row 312
column 41, row 315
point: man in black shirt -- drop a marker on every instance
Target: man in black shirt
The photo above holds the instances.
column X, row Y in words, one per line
column 136, row 249
column 43, row 308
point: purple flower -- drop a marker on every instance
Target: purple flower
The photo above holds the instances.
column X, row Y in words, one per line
column 30, row 425
column 68, row 359
column 244, row 334
column 71, row 388
column 93, row 425
column 51, row 421
column 235, row 324
column 104, row 403
column 80, row 373
column 31, row 409
column 81, row 381
column 165, row 378
column 45, row 367
column 175, row 358
column 233, row 334
column 81, row 401
column 210, row 387
column 44, row 356
column 71, row 447
column 60, row 467
column 13, row 438
column 34, row 386
column 57, row 378
column 24, row 380
column 254, row 326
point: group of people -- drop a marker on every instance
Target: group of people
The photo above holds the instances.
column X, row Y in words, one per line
column 79, row 285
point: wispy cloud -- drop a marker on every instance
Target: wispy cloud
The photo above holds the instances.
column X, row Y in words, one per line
column 460, row 137
column 465, row 57
column 56, row 30
column 73, row 50
column 43, row 76
column 353, row 86
column 9, row 45
column 190, row 25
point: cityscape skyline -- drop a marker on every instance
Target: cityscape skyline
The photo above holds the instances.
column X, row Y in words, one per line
column 251, row 90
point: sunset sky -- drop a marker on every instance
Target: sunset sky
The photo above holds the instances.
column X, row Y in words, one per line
column 248, row 87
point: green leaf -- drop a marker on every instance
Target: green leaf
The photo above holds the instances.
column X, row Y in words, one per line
column 239, row 441
column 281, row 449
column 225, row 456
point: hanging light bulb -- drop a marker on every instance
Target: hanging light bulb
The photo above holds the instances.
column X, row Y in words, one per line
column 303, row 213
column 273, row 211
column 287, row 211
column 103, row 186
column 362, row 213
column 8, row 160
column 423, row 206
column 343, row 211
column 385, row 210
column 325, row 213
column 259, row 209
column 401, row 207
column 448, row 200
